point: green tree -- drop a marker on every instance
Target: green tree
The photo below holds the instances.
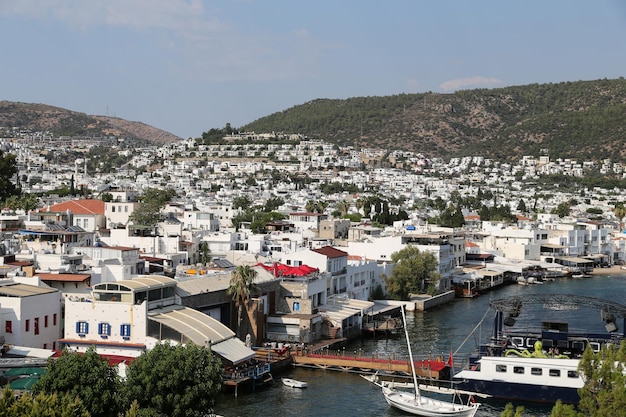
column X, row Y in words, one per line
column 510, row 411
column 26, row 202
column 242, row 202
column 343, row 206
column 48, row 405
column 413, row 272
column 205, row 253
column 521, row 206
column 451, row 217
column 106, row 197
column 174, row 381
column 241, row 287
column 261, row 219
column 315, row 206
column 604, row 392
column 8, row 170
column 561, row 210
column 273, row 203
column 152, row 201
column 563, row 410
column 86, row 376
column 620, row 213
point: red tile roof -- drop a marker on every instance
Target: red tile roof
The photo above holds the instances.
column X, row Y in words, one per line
column 331, row 252
column 78, row 207
column 357, row 258
column 64, row 277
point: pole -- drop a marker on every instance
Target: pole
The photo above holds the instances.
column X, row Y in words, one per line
column 408, row 342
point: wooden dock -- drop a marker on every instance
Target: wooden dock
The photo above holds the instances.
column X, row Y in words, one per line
column 257, row 375
column 427, row 368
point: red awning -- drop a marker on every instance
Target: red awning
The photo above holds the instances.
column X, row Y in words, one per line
column 286, row 270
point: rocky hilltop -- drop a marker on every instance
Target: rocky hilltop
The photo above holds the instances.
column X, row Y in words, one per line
column 63, row 122
column 582, row 120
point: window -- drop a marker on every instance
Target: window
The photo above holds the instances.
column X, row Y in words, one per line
column 536, row 371
column 82, row 327
column 36, row 325
column 27, row 324
column 500, row 368
column 554, row 372
column 125, row 331
column 45, row 321
column 518, row 370
column 54, row 319
column 572, row 374
column 8, row 326
column 104, row 329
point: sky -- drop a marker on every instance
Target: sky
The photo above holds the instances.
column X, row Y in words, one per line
column 186, row 66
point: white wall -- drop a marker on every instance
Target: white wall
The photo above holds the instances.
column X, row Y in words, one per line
column 114, row 313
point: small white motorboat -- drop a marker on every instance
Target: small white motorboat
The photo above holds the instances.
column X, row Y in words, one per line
column 294, row 383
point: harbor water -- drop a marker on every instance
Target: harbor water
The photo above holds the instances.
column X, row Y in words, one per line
column 434, row 334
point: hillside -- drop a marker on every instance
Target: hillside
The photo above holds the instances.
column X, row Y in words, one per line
column 62, row 122
column 583, row 119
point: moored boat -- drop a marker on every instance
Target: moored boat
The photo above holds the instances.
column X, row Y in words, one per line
column 294, row 383
column 416, row 403
column 537, row 365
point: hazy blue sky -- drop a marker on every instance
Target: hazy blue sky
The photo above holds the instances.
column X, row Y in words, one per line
column 186, row 66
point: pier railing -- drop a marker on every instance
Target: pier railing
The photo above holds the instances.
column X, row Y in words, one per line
column 246, row 371
column 358, row 361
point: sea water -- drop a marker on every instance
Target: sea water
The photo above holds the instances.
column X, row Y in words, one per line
column 435, row 334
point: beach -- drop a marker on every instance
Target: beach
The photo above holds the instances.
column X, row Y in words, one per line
column 612, row 270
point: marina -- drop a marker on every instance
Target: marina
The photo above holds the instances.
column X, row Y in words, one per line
column 434, row 333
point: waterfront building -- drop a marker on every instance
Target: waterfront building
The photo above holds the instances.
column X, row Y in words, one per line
column 124, row 318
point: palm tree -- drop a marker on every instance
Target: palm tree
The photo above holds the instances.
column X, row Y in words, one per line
column 358, row 204
column 241, row 286
column 205, row 256
column 315, row 206
column 343, row 206
column 620, row 213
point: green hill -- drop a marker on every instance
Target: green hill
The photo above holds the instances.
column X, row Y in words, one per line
column 583, row 120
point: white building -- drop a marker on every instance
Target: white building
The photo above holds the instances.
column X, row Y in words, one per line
column 127, row 317
column 30, row 314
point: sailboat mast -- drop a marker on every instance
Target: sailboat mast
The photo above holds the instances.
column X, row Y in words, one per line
column 408, row 343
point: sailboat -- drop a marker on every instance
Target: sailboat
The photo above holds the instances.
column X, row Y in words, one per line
column 418, row 404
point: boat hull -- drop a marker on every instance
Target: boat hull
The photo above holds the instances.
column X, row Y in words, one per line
column 426, row 406
column 533, row 379
column 510, row 391
column 294, row 383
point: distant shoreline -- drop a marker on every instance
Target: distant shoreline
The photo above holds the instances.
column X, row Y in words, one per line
column 615, row 269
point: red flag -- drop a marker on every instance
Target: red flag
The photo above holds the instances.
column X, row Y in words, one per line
column 450, row 361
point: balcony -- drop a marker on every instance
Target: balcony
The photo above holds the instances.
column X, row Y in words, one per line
column 342, row 271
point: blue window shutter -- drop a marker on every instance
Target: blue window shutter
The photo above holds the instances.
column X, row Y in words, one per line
column 86, row 327
column 78, row 327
